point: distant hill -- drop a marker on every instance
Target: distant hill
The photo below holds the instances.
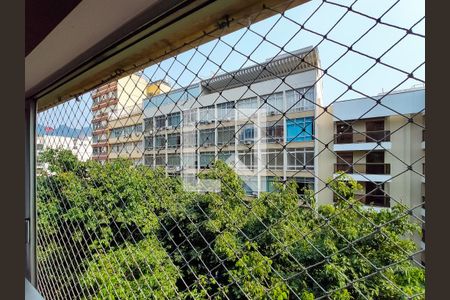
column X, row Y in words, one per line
column 64, row 130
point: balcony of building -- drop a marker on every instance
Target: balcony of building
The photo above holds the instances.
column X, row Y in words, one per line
column 100, row 117
column 362, row 141
column 365, row 172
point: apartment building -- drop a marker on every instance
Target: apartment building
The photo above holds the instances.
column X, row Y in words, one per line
column 376, row 144
column 109, row 102
column 125, row 126
column 261, row 121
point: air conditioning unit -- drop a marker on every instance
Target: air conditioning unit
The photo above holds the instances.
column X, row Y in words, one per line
column 255, row 194
column 206, row 145
column 248, row 142
column 272, row 113
column 169, row 127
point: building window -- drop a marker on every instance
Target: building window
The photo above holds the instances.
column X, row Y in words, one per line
column 148, row 125
column 300, row 100
column 273, row 103
column 174, row 120
column 247, row 134
column 207, row 114
column 300, row 159
column 160, row 122
column 247, row 160
column 225, row 155
column 173, row 140
column 148, row 143
column 160, row 142
column 225, row 111
column 300, row 129
column 148, row 160
column 274, row 132
column 190, row 117
column 206, row 159
column 225, row 136
column 126, row 131
column 246, row 108
column 273, row 159
column 173, row 160
column 160, row 160
column 207, row 137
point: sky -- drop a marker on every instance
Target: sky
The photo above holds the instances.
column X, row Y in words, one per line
column 405, row 52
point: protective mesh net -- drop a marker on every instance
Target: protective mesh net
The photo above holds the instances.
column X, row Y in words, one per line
column 284, row 160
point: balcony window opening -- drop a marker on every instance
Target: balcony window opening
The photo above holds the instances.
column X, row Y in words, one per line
column 375, row 131
column 374, row 195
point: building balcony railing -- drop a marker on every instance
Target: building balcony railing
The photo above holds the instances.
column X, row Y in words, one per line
column 104, row 103
column 101, row 156
column 375, row 200
column 99, row 130
column 367, row 168
column 102, row 143
column 100, row 117
column 362, row 137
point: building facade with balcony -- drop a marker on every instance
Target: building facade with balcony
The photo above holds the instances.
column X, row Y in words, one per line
column 382, row 147
column 108, row 102
column 260, row 122
column 375, row 144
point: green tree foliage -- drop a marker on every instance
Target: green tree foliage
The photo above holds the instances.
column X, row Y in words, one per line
column 121, row 231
